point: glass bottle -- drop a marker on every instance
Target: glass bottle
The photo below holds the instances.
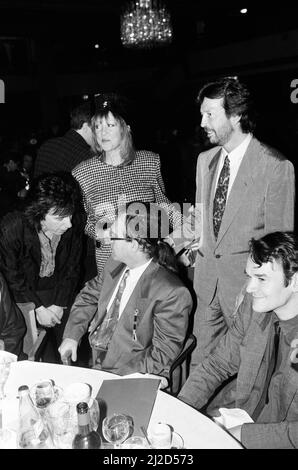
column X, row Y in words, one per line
column 33, row 433
column 86, row 438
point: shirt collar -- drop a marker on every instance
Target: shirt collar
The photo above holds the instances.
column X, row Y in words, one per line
column 139, row 269
column 239, row 151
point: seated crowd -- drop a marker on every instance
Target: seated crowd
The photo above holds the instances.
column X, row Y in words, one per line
column 137, row 312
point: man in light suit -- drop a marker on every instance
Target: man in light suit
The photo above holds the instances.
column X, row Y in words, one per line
column 152, row 321
column 244, row 189
column 261, row 347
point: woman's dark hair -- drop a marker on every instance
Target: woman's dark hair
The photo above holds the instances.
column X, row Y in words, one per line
column 121, row 109
column 237, row 100
column 148, row 224
column 279, row 246
column 57, row 191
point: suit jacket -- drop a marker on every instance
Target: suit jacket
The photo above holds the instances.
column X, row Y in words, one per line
column 62, row 153
column 241, row 351
column 162, row 304
column 261, row 201
column 20, row 259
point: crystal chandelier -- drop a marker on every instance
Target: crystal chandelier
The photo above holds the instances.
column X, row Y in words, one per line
column 146, row 24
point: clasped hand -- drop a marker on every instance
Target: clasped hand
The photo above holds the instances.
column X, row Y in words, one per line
column 49, row 316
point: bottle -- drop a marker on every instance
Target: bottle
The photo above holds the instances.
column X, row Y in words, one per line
column 86, row 437
column 33, row 433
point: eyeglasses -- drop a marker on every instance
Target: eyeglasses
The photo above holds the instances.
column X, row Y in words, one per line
column 121, row 238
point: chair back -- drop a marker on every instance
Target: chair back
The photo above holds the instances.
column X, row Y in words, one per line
column 179, row 369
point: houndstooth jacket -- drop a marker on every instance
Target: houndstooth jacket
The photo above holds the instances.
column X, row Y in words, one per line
column 104, row 187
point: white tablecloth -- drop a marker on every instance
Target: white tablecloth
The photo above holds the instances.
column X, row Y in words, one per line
column 198, row 431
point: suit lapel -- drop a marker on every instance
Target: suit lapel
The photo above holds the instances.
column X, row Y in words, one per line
column 241, row 186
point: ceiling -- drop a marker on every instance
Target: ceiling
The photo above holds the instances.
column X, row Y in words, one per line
column 72, row 28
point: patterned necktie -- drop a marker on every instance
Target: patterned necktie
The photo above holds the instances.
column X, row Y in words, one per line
column 102, row 336
column 220, row 197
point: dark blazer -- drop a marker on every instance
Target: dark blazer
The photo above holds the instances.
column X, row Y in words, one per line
column 20, row 259
column 241, row 351
column 162, row 304
column 12, row 324
column 261, row 201
column 62, row 153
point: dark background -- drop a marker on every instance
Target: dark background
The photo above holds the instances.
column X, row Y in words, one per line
column 48, row 62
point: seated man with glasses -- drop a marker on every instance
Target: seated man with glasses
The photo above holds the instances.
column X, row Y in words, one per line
column 138, row 307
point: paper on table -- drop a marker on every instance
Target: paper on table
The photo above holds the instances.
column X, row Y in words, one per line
column 133, row 397
column 135, row 375
column 230, row 417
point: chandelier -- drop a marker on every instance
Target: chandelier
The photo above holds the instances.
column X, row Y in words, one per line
column 146, row 24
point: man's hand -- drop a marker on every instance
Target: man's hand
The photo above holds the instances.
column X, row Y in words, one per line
column 236, row 432
column 68, row 345
column 46, row 317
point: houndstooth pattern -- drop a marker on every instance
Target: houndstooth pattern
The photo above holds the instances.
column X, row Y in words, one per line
column 220, row 197
column 105, row 186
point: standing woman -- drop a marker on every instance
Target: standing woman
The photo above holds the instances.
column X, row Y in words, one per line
column 40, row 250
column 118, row 174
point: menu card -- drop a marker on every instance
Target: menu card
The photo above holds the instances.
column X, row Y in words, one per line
column 132, row 397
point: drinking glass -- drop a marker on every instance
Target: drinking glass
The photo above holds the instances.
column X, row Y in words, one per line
column 8, row 439
column 60, row 424
column 43, row 393
column 135, row 442
column 115, row 429
column 78, row 392
column 161, row 436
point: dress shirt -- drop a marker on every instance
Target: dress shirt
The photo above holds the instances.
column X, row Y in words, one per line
column 48, row 248
column 235, row 158
column 131, row 282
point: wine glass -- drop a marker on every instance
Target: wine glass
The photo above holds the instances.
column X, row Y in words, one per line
column 115, row 429
column 43, row 393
